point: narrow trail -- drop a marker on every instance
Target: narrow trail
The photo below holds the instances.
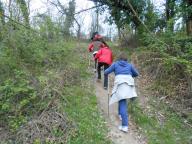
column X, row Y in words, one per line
column 113, row 121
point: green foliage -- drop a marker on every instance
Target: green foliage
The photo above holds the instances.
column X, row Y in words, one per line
column 39, row 69
column 81, row 106
column 186, row 9
column 24, row 9
column 168, row 63
column 24, row 55
column 33, row 73
column 151, row 17
column 84, row 111
column 69, row 18
column 16, row 99
column 2, row 18
column 169, row 45
column 167, row 70
column 121, row 12
column 48, row 29
column 23, row 46
column 160, row 124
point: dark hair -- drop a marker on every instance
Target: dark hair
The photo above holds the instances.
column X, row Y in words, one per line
column 93, row 35
column 102, row 40
column 122, row 56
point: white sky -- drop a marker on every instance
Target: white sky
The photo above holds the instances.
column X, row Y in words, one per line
column 40, row 6
column 84, row 4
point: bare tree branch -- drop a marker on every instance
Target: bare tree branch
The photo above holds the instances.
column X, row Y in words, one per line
column 59, row 7
column 87, row 9
column 64, row 10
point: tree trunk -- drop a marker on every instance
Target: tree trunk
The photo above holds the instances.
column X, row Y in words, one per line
column 119, row 32
column 167, row 10
column 170, row 13
column 69, row 18
column 189, row 27
column 24, row 9
column 97, row 18
column 189, row 19
column 10, row 10
column 79, row 32
column 2, row 17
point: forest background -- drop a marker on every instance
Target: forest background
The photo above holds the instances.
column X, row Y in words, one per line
column 38, row 74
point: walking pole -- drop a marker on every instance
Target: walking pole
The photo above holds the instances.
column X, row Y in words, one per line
column 96, row 66
column 108, row 92
column 89, row 59
column 108, row 95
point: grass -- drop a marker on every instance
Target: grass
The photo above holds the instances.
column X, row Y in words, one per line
column 158, row 122
column 90, row 126
column 83, row 111
column 65, row 77
column 82, row 105
column 171, row 131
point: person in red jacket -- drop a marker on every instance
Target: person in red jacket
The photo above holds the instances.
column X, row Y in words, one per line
column 96, row 44
column 105, row 58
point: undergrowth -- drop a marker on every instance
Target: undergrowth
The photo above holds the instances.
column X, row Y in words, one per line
column 165, row 119
column 160, row 124
column 40, row 83
column 82, row 104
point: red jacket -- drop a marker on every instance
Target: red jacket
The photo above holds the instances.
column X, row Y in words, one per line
column 104, row 55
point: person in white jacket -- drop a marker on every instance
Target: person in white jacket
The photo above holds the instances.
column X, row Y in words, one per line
column 124, row 87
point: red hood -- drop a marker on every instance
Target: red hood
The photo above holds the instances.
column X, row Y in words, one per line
column 104, row 55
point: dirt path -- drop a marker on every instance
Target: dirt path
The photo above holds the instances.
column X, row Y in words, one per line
column 113, row 122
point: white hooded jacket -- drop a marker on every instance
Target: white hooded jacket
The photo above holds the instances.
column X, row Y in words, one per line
column 124, row 88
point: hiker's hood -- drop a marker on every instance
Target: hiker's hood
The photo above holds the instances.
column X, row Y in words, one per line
column 122, row 63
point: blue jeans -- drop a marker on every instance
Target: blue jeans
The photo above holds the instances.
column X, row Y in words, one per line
column 122, row 110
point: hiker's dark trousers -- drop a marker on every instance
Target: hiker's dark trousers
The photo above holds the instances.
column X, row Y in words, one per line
column 100, row 64
column 95, row 61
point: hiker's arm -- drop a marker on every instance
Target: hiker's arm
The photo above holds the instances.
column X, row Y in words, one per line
column 98, row 54
column 134, row 71
column 90, row 47
column 110, row 69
